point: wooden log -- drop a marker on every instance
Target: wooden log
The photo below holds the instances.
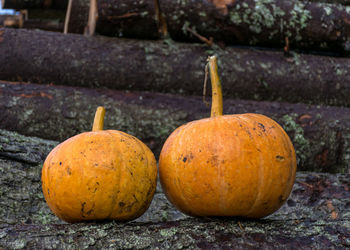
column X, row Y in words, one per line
column 174, row 67
column 34, row 4
column 321, row 135
column 193, row 233
column 50, row 14
column 307, row 25
column 43, row 24
column 125, row 19
column 342, row 2
column 315, row 215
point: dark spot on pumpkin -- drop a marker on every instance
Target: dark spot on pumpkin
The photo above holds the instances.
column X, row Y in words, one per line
column 96, row 164
column 121, row 204
column 48, row 191
column 184, row 159
column 82, row 208
column 250, row 135
column 261, row 126
column 90, row 211
column 280, row 158
column 69, row 171
column 60, row 163
column 281, row 199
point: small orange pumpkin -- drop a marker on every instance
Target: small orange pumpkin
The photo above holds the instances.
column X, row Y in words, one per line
column 227, row 165
column 99, row 175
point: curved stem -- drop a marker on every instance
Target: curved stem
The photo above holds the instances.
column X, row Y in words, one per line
column 98, row 120
column 216, row 102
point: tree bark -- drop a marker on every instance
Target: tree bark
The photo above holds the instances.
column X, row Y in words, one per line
column 321, row 135
column 343, row 2
column 125, row 19
column 315, row 215
column 171, row 67
column 311, row 26
column 43, row 24
column 46, row 14
column 34, row 4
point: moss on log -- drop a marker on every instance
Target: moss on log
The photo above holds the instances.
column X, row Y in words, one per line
column 312, row 26
column 321, row 135
column 51, row 57
column 315, row 215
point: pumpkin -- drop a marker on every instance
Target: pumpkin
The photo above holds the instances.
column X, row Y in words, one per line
column 99, row 175
column 227, row 165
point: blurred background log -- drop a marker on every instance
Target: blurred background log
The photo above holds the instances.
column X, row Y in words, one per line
column 11, row 21
column 171, row 67
column 321, row 135
column 343, row 2
column 18, row 21
column 308, row 25
column 43, row 24
column 136, row 19
column 34, row 4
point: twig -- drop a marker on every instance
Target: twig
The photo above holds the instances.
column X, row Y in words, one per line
column 93, row 15
column 127, row 15
column 66, row 20
column 209, row 41
column 286, row 47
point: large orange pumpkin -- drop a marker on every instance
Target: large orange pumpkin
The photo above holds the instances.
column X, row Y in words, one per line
column 99, row 175
column 227, row 165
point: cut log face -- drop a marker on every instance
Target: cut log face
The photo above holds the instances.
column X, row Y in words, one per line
column 125, row 19
column 320, row 135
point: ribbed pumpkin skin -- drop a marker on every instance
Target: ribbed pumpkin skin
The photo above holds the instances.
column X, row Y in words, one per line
column 99, row 175
column 231, row 165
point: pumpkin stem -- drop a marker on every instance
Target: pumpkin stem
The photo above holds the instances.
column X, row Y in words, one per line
column 216, row 103
column 98, row 120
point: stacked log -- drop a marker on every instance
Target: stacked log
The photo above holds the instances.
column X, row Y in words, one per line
column 34, row 4
column 307, row 25
column 124, row 19
column 171, row 68
column 18, row 21
column 321, row 135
